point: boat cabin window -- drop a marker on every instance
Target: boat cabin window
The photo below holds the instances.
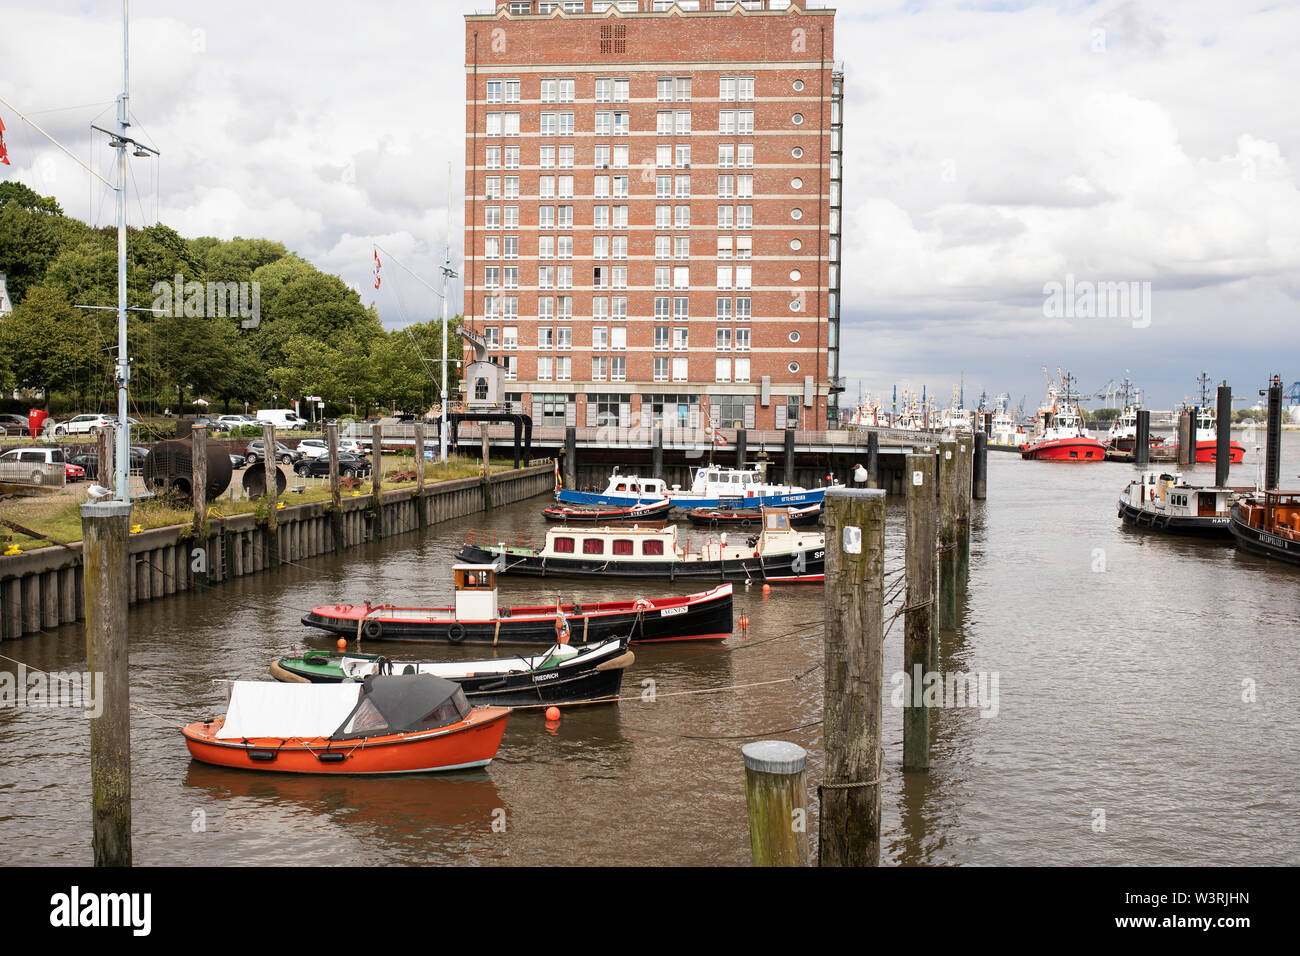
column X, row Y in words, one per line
column 564, row 545
column 478, row 580
column 621, row 486
column 777, row 521
column 652, row 546
column 593, row 546
column 623, row 546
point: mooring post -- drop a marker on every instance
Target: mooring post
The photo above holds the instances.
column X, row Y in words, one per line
column 948, row 489
column 1223, row 437
column 271, row 471
column 105, row 473
column 657, row 453
column 105, row 587
column 873, row 459
column 776, row 798
column 336, row 502
column 789, row 456
column 918, row 617
column 979, row 479
column 742, row 443
column 199, row 476
column 854, row 595
column 377, row 479
column 1273, row 436
column 419, row 475
column 487, row 466
column 1142, row 442
column 571, row 457
column 965, row 460
column 1186, row 437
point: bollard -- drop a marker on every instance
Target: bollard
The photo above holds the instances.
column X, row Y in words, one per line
column 105, row 587
column 853, row 658
column 776, row 799
column 948, row 490
column 918, row 621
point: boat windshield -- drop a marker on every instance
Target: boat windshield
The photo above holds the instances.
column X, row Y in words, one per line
column 403, row 704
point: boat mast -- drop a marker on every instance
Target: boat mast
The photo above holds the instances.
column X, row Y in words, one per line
column 123, row 374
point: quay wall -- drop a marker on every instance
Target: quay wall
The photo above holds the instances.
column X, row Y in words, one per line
column 42, row 588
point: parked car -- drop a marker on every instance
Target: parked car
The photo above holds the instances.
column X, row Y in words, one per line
column 90, row 461
column 13, row 425
column 254, row 453
column 237, row 461
column 81, row 425
column 350, row 466
column 285, row 418
column 39, row 456
column 236, row 421
column 213, row 424
column 313, row 448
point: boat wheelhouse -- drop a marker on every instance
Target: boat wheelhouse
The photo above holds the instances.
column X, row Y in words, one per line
column 1163, row 501
column 710, row 483
column 1060, row 435
column 776, row 552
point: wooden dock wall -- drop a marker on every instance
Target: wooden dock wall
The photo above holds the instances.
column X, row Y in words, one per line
column 42, row 589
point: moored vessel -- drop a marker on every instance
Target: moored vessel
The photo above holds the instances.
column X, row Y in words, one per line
column 1267, row 523
column 1163, row 501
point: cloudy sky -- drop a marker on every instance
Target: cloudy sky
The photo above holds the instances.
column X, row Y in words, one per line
column 992, row 149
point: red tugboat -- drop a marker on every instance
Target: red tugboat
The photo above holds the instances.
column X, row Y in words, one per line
column 1062, row 436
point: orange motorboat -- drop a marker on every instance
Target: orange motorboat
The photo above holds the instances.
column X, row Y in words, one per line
column 411, row 723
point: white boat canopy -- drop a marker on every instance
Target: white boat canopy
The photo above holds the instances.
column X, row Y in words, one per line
column 273, row 709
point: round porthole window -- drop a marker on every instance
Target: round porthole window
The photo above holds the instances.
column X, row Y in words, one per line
column 797, row 119
column 796, row 183
column 793, row 366
column 795, row 275
column 796, row 213
column 794, row 336
column 797, row 152
column 796, row 244
column 795, row 305
column 798, row 86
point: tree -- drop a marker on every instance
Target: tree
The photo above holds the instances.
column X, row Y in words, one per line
column 52, row 346
column 29, row 241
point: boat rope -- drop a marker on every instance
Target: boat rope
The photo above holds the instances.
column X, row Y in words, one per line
column 171, row 721
column 723, row 737
column 718, row 690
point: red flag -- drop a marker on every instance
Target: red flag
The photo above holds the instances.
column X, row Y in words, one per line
column 377, row 268
column 4, row 153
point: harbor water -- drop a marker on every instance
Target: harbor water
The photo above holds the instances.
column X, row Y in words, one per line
column 1145, row 712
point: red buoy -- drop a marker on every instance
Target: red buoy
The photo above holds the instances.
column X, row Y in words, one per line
column 343, row 644
column 552, row 713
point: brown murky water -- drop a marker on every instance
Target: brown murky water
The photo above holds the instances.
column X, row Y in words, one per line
column 1121, row 657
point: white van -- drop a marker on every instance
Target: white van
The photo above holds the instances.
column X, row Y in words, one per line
column 282, row 418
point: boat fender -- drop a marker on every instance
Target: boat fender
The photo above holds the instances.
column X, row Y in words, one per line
column 456, row 633
column 331, row 756
column 643, row 604
column 372, row 629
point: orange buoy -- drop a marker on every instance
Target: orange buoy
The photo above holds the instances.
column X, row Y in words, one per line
column 343, row 644
column 552, row 713
column 767, row 589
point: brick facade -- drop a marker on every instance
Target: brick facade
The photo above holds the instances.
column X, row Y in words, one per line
column 599, row 147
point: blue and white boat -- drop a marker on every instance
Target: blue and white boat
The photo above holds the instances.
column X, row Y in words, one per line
column 711, row 484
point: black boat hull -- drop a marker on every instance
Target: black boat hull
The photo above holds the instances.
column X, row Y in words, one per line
column 711, row 518
column 1259, row 542
column 588, row 685
column 1200, row 527
column 799, row 566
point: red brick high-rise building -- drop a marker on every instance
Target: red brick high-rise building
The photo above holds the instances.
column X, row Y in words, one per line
column 653, row 209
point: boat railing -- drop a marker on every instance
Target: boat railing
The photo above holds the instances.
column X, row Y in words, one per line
column 491, row 540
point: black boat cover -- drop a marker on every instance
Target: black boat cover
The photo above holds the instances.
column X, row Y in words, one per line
column 402, row 704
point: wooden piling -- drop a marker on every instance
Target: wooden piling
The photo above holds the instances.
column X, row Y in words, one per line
column 104, row 529
column 657, row 453
column 742, row 443
column 965, row 468
column 199, row 475
column 776, row 798
column 271, row 470
column 1186, row 438
column 336, row 504
column 854, row 595
column 873, row 459
column 377, row 480
column 1223, row 437
column 571, row 457
column 980, row 471
column 419, row 476
column 1273, row 436
column 106, row 474
column 789, row 456
column 948, row 490
column 487, row 467
column 918, row 619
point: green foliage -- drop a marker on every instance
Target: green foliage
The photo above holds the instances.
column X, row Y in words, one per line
column 1249, row 415
column 51, row 345
column 1104, row 414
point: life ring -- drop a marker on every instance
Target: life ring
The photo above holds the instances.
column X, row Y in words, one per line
column 643, row 604
column 561, row 630
column 456, row 632
column 372, row 629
